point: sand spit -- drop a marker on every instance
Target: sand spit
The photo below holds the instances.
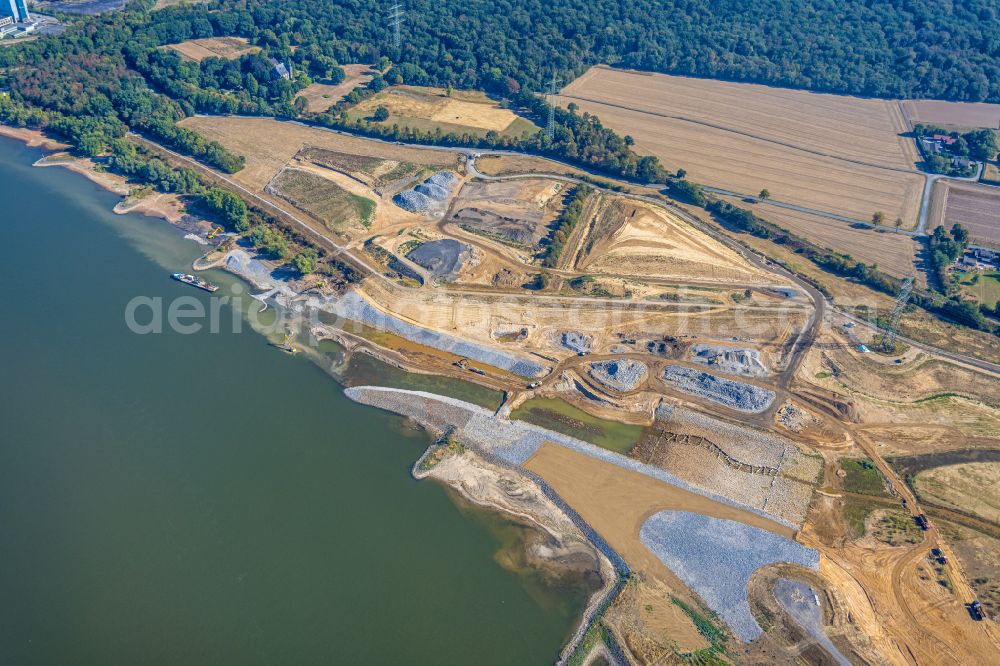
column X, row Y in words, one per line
column 513, row 442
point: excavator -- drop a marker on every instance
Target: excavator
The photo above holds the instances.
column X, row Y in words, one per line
column 214, row 231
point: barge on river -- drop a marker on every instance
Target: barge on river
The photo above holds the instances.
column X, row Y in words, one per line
column 195, row 281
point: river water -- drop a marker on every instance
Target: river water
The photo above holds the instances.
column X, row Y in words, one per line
column 203, row 498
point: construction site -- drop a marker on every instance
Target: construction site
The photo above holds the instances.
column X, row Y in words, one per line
column 737, row 450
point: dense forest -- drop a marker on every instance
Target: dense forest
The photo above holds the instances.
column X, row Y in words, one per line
column 918, row 48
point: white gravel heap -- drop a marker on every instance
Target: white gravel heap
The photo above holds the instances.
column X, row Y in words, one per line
column 716, row 558
column 737, row 395
column 354, row 307
column 574, row 341
column 733, row 360
column 429, row 196
column 413, row 201
column 620, row 374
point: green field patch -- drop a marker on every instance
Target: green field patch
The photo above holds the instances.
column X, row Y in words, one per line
column 984, row 286
column 560, row 416
column 862, row 477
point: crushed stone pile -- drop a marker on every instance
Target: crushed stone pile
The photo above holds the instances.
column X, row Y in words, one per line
column 575, row 342
column 428, row 197
column 716, row 557
column 737, row 395
column 732, row 360
column 622, row 374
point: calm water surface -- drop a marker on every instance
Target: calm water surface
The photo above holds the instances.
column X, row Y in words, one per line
column 206, row 499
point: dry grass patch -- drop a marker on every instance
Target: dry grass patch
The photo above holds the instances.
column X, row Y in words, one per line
column 429, row 109
column 958, row 114
column 321, row 96
column 229, row 48
column 338, row 209
column 269, row 144
column 894, row 253
column 837, row 154
column 968, row 487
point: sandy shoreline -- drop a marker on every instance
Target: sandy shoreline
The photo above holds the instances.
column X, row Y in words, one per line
column 561, row 547
column 168, row 207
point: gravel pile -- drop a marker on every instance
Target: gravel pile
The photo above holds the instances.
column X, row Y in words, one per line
column 716, row 557
column 241, row 263
column 735, row 361
column 444, row 179
column 575, row 342
column 442, row 258
column 737, row 395
column 622, row 375
column 413, row 201
column 432, row 191
column 513, row 442
column 430, row 196
column 352, row 306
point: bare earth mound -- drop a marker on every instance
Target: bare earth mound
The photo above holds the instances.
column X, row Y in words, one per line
column 636, row 239
column 515, row 211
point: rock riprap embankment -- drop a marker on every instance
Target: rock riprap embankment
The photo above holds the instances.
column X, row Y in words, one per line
column 733, row 394
column 716, row 558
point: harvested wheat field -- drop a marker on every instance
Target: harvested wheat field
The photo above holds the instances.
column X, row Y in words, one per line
column 977, row 207
column 837, row 154
column 229, row 48
column 833, row 125
column 429, row 109
column 321, row 96
column 894, row 253
column 638, row 239
column 269, row 144
column 957, row 114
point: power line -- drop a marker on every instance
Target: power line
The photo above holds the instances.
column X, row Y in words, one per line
column 550, row 127
column 891, row 327
column 396, row 17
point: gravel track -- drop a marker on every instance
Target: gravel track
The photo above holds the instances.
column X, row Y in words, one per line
column 716, row 558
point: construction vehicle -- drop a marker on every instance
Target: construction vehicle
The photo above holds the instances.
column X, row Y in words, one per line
column 975, row 610
column 214, row 231
column 286, row 346
column 921, row 522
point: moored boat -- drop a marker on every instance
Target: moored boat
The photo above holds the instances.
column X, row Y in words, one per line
column 194, row 281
